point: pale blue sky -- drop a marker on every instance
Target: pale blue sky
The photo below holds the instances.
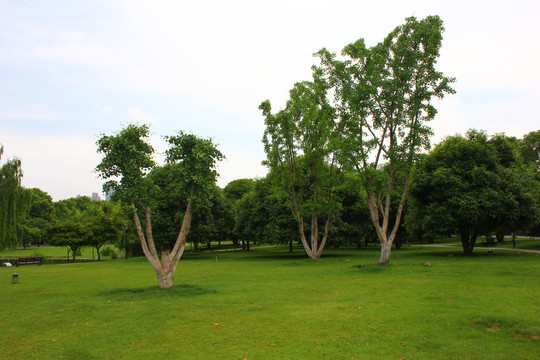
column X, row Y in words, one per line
column 71, row 70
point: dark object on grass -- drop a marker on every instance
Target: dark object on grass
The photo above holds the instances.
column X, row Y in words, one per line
column 15, row 278
column 29, row 261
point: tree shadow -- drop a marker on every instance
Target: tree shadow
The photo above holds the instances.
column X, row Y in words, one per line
column 153, row 292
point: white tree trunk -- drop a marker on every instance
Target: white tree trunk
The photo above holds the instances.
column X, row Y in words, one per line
column 385, row 254
column 169, row 260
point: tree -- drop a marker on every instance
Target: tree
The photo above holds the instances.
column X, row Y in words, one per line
column 352, row 224
column 383, row 99
column 71, row 234
column 236, row 189
column 514, row 204
column 127, row 160
column 262, row 215
column 39, row 217
column 464, row 186
column 299, row 149
column 530, row 148
column 104, row 225
column 13, row 200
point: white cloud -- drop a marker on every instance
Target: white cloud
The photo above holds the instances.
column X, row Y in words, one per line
column 28, row 115
column 241, row 162
column 141, row 117
column 62, row 166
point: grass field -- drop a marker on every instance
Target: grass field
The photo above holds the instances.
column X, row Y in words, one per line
column 269, row 304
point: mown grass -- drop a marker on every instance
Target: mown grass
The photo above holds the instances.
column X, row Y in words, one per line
column 269, row 304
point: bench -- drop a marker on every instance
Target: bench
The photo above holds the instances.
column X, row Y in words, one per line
column 29, row 261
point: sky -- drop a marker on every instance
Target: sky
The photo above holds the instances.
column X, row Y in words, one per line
column 71, row 71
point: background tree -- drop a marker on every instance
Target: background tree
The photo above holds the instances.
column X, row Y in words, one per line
column 233, row 193
column 69, row 233
column 463, row 187
column 383, row 98
column 39, row 217
column 13, row 200
column 128, row 156
column 263, row 216
column 514, row 205
column 299, row 149
column 104, row 224
column 352, row 224
column 529, row 148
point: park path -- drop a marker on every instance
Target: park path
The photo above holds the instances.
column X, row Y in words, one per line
column 480, row 247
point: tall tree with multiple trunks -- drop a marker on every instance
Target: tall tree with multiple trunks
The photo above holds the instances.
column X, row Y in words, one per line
column 299, row 149
column 13, row 200
column 127, row 160
column 383, row 99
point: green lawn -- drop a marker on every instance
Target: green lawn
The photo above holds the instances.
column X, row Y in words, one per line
column 269, row 304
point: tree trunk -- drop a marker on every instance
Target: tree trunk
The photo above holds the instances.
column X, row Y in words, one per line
column 385, row 254
column 290, row 246
column 166, row 275
column 165, row 281
column 166, row 268
column 468, row 242
column 500, row 236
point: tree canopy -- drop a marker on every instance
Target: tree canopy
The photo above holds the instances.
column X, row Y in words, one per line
column 467, row 185
column 127, row 161
column 368, row 111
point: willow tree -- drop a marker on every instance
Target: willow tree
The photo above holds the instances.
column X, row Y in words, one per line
column 127, row 160
column 299, row 149
column 383, row 98
column 13, row 200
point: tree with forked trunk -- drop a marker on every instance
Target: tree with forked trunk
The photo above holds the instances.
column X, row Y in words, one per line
column 383, row 99
column 300, row 151
column 126, row 163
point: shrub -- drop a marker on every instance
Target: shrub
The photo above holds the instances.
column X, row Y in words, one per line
column 108, row 250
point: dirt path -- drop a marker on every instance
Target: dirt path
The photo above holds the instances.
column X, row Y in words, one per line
column 480, row 247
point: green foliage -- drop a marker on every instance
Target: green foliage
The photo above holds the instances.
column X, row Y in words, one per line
column 367, row 111
column 195, row 160
column 471, row 186
column 211, row 214
column 262, row 215
column 104, row 223
column 69, row 233
column 108, row 251
column 236, row 189
column 13, row 200
column 300, row 150
column 127, row 159
column 530, row 148
column 39, row 217
column 352, row 224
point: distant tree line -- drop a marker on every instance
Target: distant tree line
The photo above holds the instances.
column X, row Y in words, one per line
column 472, row 186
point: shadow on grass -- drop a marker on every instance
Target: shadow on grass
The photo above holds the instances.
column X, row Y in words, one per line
column 154, row 292
column 372, row 268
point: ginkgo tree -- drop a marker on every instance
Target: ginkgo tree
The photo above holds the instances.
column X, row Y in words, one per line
column 383, row 98
column 127, row 160
column 299, row 150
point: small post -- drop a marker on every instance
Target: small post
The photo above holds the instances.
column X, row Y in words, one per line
column 15, row 278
